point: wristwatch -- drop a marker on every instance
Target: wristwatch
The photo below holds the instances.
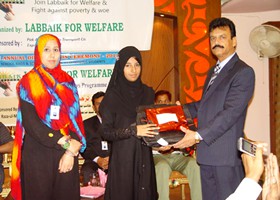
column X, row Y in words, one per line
column 66, row 144
column 196, row 137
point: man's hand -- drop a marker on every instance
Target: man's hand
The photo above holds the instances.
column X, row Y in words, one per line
column 164, row 149
column 253, row 166
column 103, row 162
column 187, row 141
column 271, row 186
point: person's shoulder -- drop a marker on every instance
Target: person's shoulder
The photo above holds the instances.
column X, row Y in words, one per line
column 27, row 76
column 113, row 93
column 148, row 89
column 2, row 126
column 242, row 65
column 5, row 135
column 89, row 120
column 240, row 62
column 67, row 77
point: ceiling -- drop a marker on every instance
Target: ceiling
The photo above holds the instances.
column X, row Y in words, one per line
column 246, row 6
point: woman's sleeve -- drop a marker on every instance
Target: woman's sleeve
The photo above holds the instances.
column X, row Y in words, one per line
column 36, row 129
column 109, row 132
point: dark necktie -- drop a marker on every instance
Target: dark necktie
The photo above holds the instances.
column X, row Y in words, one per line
column 214, row 75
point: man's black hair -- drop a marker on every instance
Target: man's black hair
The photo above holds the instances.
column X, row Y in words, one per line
column 222, row 22
column 96, row 96
column 163, row 92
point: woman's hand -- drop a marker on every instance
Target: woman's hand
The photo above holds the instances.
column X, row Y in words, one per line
column 66, row 163
column 75, row 146
column 147, row 130
column 178, row 103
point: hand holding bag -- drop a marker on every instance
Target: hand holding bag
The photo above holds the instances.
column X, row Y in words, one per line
column 169, row 118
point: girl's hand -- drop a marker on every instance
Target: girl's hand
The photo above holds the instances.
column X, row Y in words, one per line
column 147, row 130
column 66, row 163
column 75, row 146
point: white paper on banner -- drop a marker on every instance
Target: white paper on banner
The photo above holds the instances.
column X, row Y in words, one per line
column 166, row 117
column 81, row 25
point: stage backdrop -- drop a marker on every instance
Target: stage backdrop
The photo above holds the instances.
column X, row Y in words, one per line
column 91, row 33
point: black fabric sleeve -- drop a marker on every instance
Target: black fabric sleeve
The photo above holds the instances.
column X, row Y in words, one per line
column 110, row 133
column 93, row 139
column 5, row 136
column 36, row 129
column 93, row 144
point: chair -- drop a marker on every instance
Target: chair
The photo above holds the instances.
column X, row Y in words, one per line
column 81, row 161
column 176, row 179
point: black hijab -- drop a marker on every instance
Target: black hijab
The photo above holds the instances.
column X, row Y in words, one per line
column 127, row 95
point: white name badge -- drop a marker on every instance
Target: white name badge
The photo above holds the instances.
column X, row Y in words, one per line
column 104, row 145
column 54, row 112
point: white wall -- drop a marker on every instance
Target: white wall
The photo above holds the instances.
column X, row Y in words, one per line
column 257, row 125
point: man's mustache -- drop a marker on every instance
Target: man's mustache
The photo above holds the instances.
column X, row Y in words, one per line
column 217, row 45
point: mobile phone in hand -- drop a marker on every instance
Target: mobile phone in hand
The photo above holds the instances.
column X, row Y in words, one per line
column 246, row 146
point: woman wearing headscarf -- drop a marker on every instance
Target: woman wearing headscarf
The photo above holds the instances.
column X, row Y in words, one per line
column 49, row 130
column 131, row 174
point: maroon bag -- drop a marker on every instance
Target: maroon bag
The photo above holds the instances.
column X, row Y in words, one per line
column 169, row 118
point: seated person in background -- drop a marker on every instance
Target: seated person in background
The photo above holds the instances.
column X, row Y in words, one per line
column 249, row 188
column 6, row 146
column 96, row 154
column 168, row 160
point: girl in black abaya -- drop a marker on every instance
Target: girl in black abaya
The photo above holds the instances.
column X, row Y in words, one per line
column 131, row 174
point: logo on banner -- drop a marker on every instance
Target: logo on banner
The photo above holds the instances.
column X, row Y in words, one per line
column 13, row 1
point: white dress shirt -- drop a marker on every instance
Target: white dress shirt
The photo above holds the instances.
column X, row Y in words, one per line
column 248, row 189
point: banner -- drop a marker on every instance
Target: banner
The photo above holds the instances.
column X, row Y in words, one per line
column 91, row 33
column 90, row 70
column 81, row 25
